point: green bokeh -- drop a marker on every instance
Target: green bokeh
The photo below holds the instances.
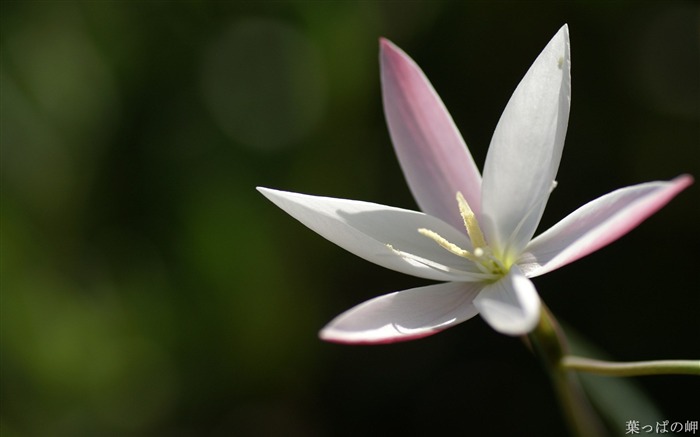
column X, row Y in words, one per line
column 148, row 289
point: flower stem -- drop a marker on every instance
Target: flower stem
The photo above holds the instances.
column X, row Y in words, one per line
column 550, row 344
column 638, row 368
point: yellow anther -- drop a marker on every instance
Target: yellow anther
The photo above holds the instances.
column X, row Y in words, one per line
column 470, row 222
column 450, row 247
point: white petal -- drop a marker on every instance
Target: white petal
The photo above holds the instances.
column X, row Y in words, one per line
column 526, row 148
column 366, row 229
column 510, row 305
column 597, row 224
column 404, row 315
column 433, row 156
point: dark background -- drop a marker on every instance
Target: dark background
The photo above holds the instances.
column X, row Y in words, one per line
column 148, row 289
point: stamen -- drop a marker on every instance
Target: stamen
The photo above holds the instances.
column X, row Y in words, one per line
column 415, row 258
column 468, row 276
column 470, row 222
column 489, row 265
column 450, row 247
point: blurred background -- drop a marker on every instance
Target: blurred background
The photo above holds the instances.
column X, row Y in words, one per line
column 149, row 290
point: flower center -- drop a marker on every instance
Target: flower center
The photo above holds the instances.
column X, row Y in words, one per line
column 482, row 255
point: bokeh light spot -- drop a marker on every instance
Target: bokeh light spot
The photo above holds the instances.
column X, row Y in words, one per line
column 263, row 83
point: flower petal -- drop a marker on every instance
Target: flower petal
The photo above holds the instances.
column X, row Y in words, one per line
column 405, row 315
column 526, row 148
column 510, row 305
column 366, row 229
column 597, row 224
column 434, row 158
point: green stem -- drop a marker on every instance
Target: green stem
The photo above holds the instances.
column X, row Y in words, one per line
column 660, row 367
column 550, row 344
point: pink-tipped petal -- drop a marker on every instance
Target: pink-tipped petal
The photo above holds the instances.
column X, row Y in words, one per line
column 597, row 224
column 526, row 148
column 435, row 160
column 404, row 315
column 366, row 229
column 510, row 305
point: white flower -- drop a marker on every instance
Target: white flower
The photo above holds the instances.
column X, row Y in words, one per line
column 486, row 269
